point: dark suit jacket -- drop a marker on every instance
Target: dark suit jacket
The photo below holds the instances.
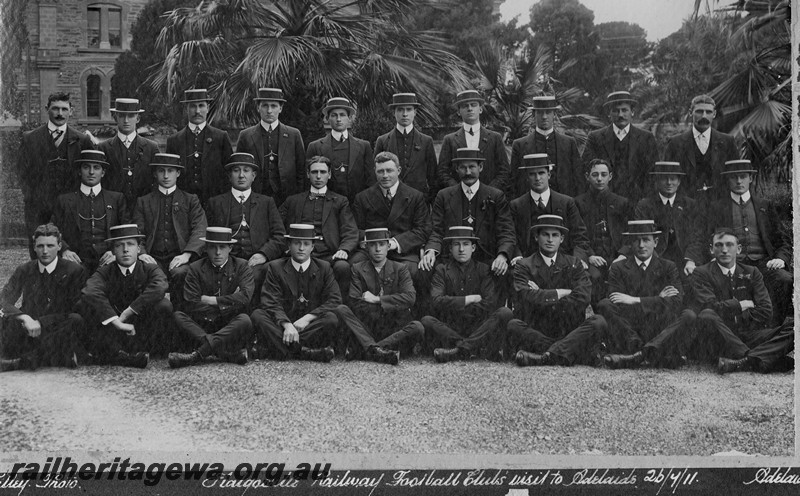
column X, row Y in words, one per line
column 361, row 171
column 452, row 282
column 420, row 171
column 188, row 219
column 567, row 176
column 291, row 157
column 714, row 290
column 115, row 178
column 339, row 230
column 642, row 154
column 575, row 242
column 68, row 278
column 626, row 277
column 495, row 171
column 394, row 280
column 215, row 152
column 43, row 176
column 409, row 220
column 233, row 293
column 720, row 214
column 683, row 219
column 615, row 209
column 493, row 224
column 103, row 293
column 541, row 307
column 66, row 216
column 281, row 291
column 721, row 148
column 266, row 226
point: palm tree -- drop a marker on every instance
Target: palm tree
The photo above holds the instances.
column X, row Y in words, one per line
column 312, row 49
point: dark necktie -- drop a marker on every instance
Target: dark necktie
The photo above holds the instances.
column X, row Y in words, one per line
column 56, row 133
column 389, row 198
column 314, row 196
column 471, row 132
column 127, row 272
column 540, row 203
column 643, row 267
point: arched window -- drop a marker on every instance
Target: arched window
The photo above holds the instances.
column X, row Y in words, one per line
column 93, row 96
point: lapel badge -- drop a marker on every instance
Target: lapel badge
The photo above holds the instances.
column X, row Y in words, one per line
column 302, row 299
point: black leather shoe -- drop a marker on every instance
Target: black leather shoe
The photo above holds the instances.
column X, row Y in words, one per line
column 350, row 354
column 727, row 365
column 178, row 360
column 527, row 359
column 444, row 355
column 239, row 357
column 382, row 355
column 9, row 364
column 599, row 351
column 614, row 361
column 137, row 360
column 317, row 354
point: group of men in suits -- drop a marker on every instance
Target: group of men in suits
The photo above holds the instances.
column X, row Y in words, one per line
column 386, row 246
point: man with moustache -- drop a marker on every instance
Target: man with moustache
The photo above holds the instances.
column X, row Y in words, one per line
column 561, row 150
column 129, row 155
column 45, row 163
column 277, row 148
column 351, row 157
column 203, row 149
column 702, row 152
column 472, row 134
column 86, row 215
column 44, row 328
column 296, row 317
column 413, row 148
column 631, row 151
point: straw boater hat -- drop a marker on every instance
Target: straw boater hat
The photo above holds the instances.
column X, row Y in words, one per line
column 270, row 94
column 641, row 228
column 301, row 231
column 667, row 168
column 92, row 157
column 468, row 155
column 196, row 95
column 338, row 102
column 242, row 158
column 468, row 96
column 124, row 231
column 166, row 160
column 377, row 234
column 404, row 100
column 127, row 105
column 546, row 102
column 460, row 232
column 219, row 235
column 548, row 220
column 737, row 166
column 536, row 161
column 619, row 97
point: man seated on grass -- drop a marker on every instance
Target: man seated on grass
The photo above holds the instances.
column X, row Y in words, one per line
column 381, row 295
column 464, row 297
column 124, row 304
column 217, row 291
column 43, row 329
column 553, row 292
column 297, row 303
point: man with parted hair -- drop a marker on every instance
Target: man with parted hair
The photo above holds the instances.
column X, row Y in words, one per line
column 44, row 329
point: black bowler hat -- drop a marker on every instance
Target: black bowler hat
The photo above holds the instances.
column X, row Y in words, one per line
column 219, row 235
column 166, row 160
column 547, row 220
column 619, row 97
column 377, row 234
column 196, row 95
column 641, row 228
column 301, row 231
column 468, row 155
column 536, row 161
column 242, row 158
column 667, row 168
column 546, row 102
column 404, row 99
column 127, row 105
column 92, row 157
column 737, row 166
column 460, row 232
column 270, row 94
column 124, row 231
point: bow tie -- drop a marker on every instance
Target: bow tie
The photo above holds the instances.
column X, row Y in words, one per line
column 314, row 196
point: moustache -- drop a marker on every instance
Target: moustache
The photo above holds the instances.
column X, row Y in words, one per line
column 704, row 121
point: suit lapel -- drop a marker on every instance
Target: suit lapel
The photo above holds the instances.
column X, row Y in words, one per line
column 608, row 140
column 327, row 204
column 398, row 204
column 282, row 145
column 461, row 140
column 290, row 276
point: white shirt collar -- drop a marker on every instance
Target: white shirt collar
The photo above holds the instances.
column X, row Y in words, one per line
column 725, row 270
column 270, row 127
column 696, row 133
column 338, row 136
column 201, row 126
column 646, row 262
column 52, row 127
column 406, row 129
column 664, row 199
column 549, row 260
column 304, row 265
column 320, row 191
column 123, row 137
column 221, row 266
column 165, row 191
column 393, row 189
column 49, row 267
column 543, row 132
column 475, row 127
column 745, row 197
column 236, row 193
column 617, row 130
column 544, row 195
column 475, row 187
column 86, row 190
column 123, row 269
